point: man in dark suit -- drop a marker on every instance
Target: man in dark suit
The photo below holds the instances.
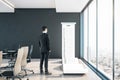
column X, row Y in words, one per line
column 45, row 49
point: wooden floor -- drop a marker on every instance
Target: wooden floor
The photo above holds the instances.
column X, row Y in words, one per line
column 55, row 67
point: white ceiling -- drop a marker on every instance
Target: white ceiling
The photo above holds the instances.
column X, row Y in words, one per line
column 59, row 5
column 70, row 5
column 33, row 3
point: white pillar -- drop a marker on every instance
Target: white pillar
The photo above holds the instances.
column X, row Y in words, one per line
column 68, row 41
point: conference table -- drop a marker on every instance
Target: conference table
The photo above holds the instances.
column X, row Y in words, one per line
column 11, row 55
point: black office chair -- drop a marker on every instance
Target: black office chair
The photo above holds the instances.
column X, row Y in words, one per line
column 29, row 54
column 29, row 59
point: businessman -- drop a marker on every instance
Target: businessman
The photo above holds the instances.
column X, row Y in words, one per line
column 44, row 49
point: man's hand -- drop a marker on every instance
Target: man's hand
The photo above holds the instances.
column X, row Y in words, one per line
column 49, row 50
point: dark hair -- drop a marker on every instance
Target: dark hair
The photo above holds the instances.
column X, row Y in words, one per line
column 44, row 27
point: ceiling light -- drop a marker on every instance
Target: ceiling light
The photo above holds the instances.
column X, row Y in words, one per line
column 7, row 3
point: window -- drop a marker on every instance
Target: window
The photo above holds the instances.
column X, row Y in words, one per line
column 104, row 35
column 117, row 40
column 105, row 25
column 86, row 34
column 92, row 33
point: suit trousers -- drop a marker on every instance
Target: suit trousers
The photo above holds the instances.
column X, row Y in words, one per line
column 44, row 58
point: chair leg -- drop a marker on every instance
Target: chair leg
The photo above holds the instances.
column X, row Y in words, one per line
column 25, row 72
column 28, row 70
column 18, row 77
column 31, row 71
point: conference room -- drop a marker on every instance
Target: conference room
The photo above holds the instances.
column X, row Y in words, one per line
column 59, row 40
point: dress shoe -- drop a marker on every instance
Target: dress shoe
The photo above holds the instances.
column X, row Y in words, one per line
column 48, row 73
column 41, row 71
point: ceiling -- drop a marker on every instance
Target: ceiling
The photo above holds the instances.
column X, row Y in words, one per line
column 33, row 3
column 60, row 5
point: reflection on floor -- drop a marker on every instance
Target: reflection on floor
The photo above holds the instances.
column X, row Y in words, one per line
column 55, row 67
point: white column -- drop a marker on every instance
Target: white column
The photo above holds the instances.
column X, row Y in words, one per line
column 68, row 41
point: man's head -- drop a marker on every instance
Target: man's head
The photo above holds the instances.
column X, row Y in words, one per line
column 44, row 29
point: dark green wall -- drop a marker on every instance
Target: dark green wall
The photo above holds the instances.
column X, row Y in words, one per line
column 24, row 27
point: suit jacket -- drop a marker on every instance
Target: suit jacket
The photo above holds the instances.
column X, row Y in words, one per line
column 44, row 42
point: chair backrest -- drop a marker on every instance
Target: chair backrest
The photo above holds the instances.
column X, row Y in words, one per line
column 17, row 67
column 25, row 54
column 30, row 53
column 0, row 58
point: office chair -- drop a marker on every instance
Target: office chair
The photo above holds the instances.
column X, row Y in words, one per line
column 0, row 61
column 1, row 68
column 15, row 73
column 10, row 54
column 24, row 59
column 27, row 59
column 0, row 57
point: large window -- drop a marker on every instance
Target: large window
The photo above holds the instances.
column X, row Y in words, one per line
column 105, row 26
column 98, row 36
column 92, row 33
column 117, row 40
column 102, row 37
